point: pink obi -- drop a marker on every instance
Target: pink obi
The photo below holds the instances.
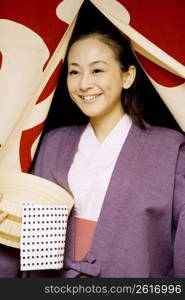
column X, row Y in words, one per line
column 84, row 232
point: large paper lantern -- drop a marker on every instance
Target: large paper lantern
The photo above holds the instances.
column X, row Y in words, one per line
column 33, row 40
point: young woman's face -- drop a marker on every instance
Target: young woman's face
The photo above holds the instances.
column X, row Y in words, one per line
column 95, row 79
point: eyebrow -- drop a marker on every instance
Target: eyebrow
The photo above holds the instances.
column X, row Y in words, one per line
column 92, row 63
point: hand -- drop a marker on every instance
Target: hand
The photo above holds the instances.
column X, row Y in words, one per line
column 3, row 214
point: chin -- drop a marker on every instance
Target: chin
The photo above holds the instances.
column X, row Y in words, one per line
column 91, row 114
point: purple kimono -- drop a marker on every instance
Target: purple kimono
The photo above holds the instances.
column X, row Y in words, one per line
column 141, row 228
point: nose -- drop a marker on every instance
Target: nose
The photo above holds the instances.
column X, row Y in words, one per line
column 86, row 82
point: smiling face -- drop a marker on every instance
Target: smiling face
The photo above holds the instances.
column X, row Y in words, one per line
column 95, row 79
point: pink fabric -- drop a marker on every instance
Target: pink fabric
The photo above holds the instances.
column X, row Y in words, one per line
column 84, row 234
column 95, row 162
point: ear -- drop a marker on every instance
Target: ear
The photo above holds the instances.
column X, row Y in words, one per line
column 129, row 77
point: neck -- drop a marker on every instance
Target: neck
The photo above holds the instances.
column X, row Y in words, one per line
column 104, row 124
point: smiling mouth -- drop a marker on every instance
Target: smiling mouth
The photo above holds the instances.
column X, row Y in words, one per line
column 89, row 97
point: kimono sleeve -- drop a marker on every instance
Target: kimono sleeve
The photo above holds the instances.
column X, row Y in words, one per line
column 179, row 208
column 10, row 257
column 42, row 164
column 9, row 262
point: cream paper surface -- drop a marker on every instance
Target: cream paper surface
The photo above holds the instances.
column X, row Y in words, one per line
column 19, row 110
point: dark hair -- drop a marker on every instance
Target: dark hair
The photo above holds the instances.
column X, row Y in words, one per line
column 141, row 101
column 124, row 54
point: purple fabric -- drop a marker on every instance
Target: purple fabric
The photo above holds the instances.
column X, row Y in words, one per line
column 9, row 262
column 141, row 228
column 87, row 266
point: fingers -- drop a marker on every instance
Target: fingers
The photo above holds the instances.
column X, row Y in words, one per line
column 3, row 215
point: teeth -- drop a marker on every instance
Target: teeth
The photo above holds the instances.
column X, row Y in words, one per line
column 89, row 97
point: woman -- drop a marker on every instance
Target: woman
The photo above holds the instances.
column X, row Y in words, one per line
column 127, row 177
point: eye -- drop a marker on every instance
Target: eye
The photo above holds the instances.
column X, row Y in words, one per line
column 96, row 71
column 73, row 72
